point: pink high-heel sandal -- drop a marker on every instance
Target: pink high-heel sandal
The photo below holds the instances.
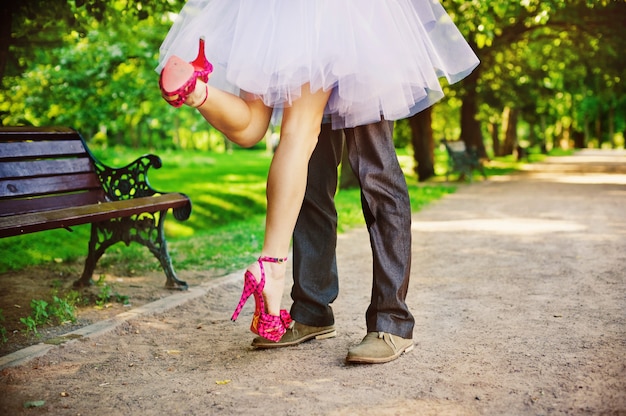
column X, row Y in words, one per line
column 268, row 326
column 176, row 69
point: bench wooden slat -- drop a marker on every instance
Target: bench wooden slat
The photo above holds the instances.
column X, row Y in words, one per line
column 14, row 188
column 36, row 133
column 47, row 202
column 44, row 167
column 48, row 148
column 67, row 217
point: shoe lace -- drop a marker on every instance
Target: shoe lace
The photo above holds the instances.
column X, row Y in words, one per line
column 388, row 338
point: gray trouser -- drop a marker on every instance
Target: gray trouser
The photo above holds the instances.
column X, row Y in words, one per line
column 387, row 211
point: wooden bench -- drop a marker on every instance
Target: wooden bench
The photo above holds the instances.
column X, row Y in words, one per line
column 462, row 160
column 49, row 179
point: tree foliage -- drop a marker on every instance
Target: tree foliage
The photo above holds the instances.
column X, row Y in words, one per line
column 555, row 66
column 93, row 69
column 548, row 60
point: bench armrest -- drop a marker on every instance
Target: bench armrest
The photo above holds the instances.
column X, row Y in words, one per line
column 130, row 181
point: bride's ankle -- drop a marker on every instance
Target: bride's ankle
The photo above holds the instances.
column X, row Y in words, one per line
column 275, row 271
column 199, row 96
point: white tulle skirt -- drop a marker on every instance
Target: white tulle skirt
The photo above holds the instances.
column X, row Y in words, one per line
column 380, row 58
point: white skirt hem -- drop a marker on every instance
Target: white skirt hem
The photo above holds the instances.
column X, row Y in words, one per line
column 382, row 59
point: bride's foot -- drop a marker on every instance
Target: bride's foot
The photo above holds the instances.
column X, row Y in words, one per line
column 274, row 282
column 269, row 321
column 179, row 80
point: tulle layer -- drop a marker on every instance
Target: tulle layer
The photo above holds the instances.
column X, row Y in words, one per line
column 381, row 58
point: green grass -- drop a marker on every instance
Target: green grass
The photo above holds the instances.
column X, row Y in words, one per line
column 225, row 230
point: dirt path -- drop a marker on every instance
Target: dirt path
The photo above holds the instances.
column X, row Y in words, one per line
column 519, row 293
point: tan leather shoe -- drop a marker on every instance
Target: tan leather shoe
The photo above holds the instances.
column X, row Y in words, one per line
column 379, row 347
column 296, row 334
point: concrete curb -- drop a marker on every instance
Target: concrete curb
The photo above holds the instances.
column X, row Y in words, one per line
column 99, row 328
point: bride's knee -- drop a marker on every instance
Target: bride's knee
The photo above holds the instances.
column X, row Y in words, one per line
column 245, row 142
column 247, row 137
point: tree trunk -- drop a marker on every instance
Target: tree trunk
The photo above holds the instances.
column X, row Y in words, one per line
column 611, row 126
column 470, row 127
column 532, row 135
column 562, row 135
column 586, row 129
column 423, row 144
column 509, row 124
column 494, row 129
column 6, row 23
column 544, row 135
column 579, row 139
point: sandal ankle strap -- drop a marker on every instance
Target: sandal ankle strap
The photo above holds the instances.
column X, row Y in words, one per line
column 267, row 259
column 206, row 95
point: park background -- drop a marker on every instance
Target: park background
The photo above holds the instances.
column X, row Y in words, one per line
column 550, row 81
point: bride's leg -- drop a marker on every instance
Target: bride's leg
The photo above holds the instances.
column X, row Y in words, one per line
column 286, row 184
column 244, row 120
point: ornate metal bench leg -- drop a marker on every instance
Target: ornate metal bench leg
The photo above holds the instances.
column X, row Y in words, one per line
column 172, row 281
column 95, row 252
column 143, row 230
column 159, row 249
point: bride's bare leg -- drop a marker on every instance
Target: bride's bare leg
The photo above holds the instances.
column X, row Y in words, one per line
column 244, row 120
column 286, row 184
